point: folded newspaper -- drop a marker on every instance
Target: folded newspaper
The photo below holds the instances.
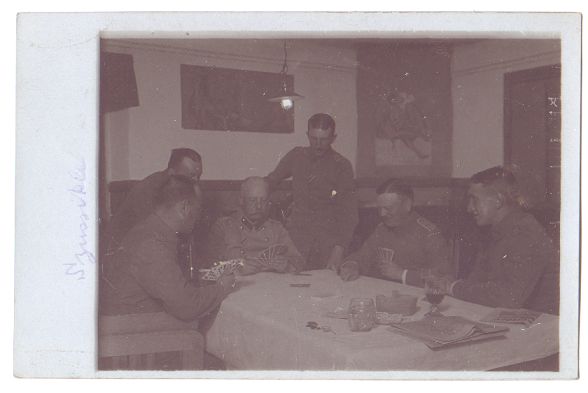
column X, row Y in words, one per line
column 442, row 331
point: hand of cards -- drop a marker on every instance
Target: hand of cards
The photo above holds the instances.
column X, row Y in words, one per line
column 267, row 256
column 222, row 268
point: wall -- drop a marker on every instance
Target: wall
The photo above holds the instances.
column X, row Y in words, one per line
column 138, row 140
column 477, row 87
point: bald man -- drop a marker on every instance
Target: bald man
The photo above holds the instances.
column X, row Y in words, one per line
column 250, row 234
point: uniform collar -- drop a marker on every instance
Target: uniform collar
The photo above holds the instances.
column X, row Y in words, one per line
column 313, row 157
column 504, row 227
column 407, row 222
column 245, row 222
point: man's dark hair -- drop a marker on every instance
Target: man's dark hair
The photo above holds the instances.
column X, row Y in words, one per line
column 501, row 180
column 392, row 186
column 177, row 188
column 322, row 121
column 177, row 155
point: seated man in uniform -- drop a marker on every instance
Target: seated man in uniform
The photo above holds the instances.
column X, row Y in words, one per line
column 144, row 276
column 138, row 203
column 249, row 234
column 519, row 265
column 403, row 246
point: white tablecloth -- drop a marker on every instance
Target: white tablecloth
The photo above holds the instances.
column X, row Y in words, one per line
column 262, row 326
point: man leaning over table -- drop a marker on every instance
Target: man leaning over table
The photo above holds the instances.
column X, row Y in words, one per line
column 250, row 234
column 324, row 211
column 139, row 202
column 519, row 265
column 403, row 245
column 144, row 276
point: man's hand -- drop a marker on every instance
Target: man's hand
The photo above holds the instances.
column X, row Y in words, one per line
column 391, row 271
column 227, row 282
column 349, row 271
column 279, row 264
column 336, row 258
column 252, row 266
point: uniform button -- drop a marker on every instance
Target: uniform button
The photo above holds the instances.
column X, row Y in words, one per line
column 242, row 252
column 267, row 239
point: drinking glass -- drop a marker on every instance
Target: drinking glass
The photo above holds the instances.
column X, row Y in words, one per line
column 434, row 293
column 362, row 314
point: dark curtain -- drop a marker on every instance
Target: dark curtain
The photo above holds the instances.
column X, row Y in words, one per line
column 118, row 85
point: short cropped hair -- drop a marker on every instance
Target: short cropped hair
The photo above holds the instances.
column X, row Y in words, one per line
column 177, row 155
column 322, row 121
column 501, row 180
column 177, row 188
column 392, row 186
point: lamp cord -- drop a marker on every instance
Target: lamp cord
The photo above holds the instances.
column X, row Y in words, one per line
column 285, row 66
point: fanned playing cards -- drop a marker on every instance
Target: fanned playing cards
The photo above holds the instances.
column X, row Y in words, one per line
column 267, row 256
column 385, row 255
column 222, row 268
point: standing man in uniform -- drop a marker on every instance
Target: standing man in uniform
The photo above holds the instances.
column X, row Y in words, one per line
column 403, row 245
column 519, row 265
column 139, row 202
column 250, row 234
column 324, row 211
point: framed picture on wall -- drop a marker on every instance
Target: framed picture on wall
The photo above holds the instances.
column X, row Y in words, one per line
column 404, row 109
column 224, row 99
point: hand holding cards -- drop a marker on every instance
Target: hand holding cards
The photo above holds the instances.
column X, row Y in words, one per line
column 222, row 268
column 273, row 257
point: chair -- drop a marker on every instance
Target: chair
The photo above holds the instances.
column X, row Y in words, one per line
column 151, row 341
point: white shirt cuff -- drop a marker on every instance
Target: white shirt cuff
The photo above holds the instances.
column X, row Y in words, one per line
column 404, row 276
column 453, row 285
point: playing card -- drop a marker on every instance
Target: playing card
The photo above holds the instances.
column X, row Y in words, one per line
column 385, row 255
column 222, row 268
column 267, row 256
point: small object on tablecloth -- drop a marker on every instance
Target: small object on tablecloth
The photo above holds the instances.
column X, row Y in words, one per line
column 384, row 318
column 222, row 268
column 507, row 316
column 396, row 304
column 315, row 326
column 300, row 285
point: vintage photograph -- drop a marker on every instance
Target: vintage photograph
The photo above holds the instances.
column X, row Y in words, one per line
column 329, row 204
column 301, row 196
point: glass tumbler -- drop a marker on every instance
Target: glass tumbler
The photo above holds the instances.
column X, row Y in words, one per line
column 362, row 314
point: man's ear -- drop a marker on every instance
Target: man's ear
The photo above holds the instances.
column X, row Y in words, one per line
column 500, row 200
column 333, row 137
column 408, row 204
column 183, row 208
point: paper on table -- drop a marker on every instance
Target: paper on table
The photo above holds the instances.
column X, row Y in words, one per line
column 446, row 330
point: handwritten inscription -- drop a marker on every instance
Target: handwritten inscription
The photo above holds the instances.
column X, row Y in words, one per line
column 83, row 254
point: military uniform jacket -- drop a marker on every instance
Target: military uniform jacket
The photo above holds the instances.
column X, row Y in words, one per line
column 325, row 202
column 233, row 237
column 144, row 276
column 518, row 267
column 416, row 244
